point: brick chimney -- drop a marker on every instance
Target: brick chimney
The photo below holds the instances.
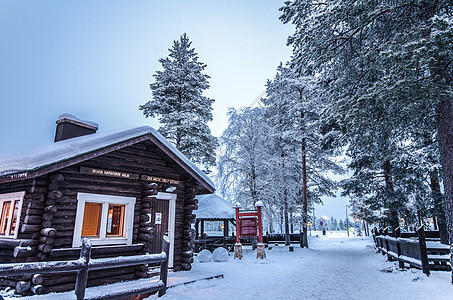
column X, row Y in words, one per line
column 69, row 126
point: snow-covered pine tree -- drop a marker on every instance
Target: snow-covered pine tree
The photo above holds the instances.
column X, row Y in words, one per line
column 179, row 103
column 395, row 52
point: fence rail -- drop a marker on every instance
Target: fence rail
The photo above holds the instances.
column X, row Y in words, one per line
column 414, row 252
column 85, row 264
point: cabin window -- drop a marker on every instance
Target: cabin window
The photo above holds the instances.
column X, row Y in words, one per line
column 10, row 209
column 104, row 219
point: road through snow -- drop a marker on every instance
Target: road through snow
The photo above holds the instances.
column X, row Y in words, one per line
column 333, row 268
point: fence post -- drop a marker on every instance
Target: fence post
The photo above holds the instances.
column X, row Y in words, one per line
column 164, row 265
column 82, row 275
column 397, row 233
column 423, row 251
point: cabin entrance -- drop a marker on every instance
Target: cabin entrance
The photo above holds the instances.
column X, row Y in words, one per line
column 163, row 218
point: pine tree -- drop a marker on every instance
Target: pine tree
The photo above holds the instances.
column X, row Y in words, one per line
column 394, row 53
column 179, row 103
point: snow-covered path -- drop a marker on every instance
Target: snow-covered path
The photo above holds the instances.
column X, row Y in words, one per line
column 333, row 268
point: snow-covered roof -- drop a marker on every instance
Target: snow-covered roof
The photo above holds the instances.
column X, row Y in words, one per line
column 20, row 164
column 214, row 207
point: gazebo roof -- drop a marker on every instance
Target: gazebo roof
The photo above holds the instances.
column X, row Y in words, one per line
column 214, row 207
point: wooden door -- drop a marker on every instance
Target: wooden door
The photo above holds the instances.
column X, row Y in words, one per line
column 160, row 219
column 163, row 218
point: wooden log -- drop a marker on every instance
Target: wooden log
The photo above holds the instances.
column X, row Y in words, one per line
column 53, row 186
column 46, row 224
column 187, row 260
column 149, row 230
column 37, row 289
column 50, row 209
column 45, row 248
column 54, row 194
column 34, row 211
column 51, row 202
column 30, row 219
column 56, row 177
column 34, row 197
column 191, row 207
column 144, row 237
column 46, row 240
column 35, row 204
column 144, row 218
column 186, row 266
column 24, row 251
column 141, row 274
column 37, row 279
column 41, row 256
column 191, row 201
column 49, row 232
column 187, row 254
column 47, row 216
column 22, row 287
column 145, row 224
column 150, row 186
column 146, row 205
column 29, row 228
column 28, row 242
column 8, row 282
column 149, row 199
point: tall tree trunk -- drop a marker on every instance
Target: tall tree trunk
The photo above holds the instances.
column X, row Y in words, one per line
column 291, row 221
column 304, row 194
column 439, row 207
column 393, row 218
column 445, row 138
column 285, row 201
column 304, row 241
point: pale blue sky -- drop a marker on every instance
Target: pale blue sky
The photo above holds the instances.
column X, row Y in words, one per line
column 96, row 59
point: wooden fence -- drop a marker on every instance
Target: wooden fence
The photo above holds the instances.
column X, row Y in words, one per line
column 412, row 251
column 85, row 264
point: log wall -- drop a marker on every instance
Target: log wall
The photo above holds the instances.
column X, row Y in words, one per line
column 49, row 211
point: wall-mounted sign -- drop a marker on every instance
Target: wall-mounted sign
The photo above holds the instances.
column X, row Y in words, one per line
column 160, row 179
column 126, row 175
column 109, row 173
column 158, row 219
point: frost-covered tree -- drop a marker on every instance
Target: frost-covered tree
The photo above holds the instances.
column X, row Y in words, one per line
column 240, row 168
column 395, row 53
column 298, row 165
column 179, row 103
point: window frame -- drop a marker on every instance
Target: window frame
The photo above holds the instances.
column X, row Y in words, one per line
column 103, row 239
column 15, row 196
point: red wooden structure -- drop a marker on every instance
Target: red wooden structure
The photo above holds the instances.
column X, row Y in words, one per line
column 248, row 224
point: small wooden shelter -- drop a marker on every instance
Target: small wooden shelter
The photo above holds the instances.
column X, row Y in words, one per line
column 214, row 209
column 123, row 189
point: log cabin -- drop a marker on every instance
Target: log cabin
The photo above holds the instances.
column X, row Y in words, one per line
column 123, row 189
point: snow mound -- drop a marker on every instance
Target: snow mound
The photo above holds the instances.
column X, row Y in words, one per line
column 220, row 254
column 204, row 256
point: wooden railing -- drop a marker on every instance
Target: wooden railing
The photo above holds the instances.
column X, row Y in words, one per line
column 85, row 264
column 412, row 251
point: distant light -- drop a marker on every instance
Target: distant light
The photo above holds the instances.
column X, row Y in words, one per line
column 325, row 218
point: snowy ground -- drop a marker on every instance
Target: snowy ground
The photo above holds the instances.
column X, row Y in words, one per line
column 335, row 267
